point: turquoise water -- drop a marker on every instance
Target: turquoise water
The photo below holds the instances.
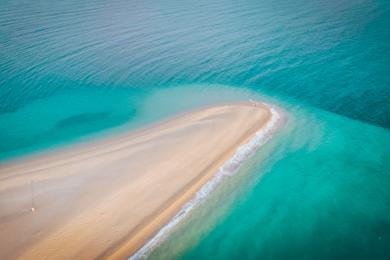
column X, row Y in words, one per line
column 71, row 70
column 324, row 194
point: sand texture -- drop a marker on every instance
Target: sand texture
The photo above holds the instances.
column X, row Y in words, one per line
column 105, row 198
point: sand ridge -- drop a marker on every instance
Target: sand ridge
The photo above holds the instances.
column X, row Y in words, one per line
column 106, row 198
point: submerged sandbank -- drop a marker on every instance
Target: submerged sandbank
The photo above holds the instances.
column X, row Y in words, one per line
column 109, row 197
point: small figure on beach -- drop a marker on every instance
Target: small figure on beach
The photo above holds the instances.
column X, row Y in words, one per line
column 32, row 196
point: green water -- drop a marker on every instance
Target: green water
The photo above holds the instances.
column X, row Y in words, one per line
column 75, row 70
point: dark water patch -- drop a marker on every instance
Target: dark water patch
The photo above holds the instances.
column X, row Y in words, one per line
column 86, row 118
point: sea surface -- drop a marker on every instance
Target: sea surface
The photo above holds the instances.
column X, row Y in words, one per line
column 320, row 189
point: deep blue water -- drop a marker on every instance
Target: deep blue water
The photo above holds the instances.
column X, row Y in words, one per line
column 74, row 69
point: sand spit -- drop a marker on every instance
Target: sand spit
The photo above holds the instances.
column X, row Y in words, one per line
column 108, row 198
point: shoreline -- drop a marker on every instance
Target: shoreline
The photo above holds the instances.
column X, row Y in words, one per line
column 109, row 135
column 125, row 237
column 199, row 192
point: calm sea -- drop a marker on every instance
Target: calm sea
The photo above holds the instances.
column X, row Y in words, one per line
column 72, row 70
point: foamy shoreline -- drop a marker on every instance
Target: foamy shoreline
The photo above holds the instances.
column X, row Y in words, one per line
column 227, row 169
column 107, row 199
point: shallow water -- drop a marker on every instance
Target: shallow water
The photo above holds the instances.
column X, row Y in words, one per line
column 323, row 193
column 76, row 69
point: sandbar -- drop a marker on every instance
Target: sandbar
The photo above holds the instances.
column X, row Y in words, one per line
column 107, row 197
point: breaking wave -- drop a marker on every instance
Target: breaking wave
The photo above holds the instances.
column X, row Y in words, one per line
column 227, row 169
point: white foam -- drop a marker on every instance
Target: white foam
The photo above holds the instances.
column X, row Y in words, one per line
column 227, row 169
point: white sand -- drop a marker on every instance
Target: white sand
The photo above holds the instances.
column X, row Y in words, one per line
column 106, row 198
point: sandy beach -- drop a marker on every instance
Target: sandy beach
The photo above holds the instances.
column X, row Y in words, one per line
column 106, row 198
